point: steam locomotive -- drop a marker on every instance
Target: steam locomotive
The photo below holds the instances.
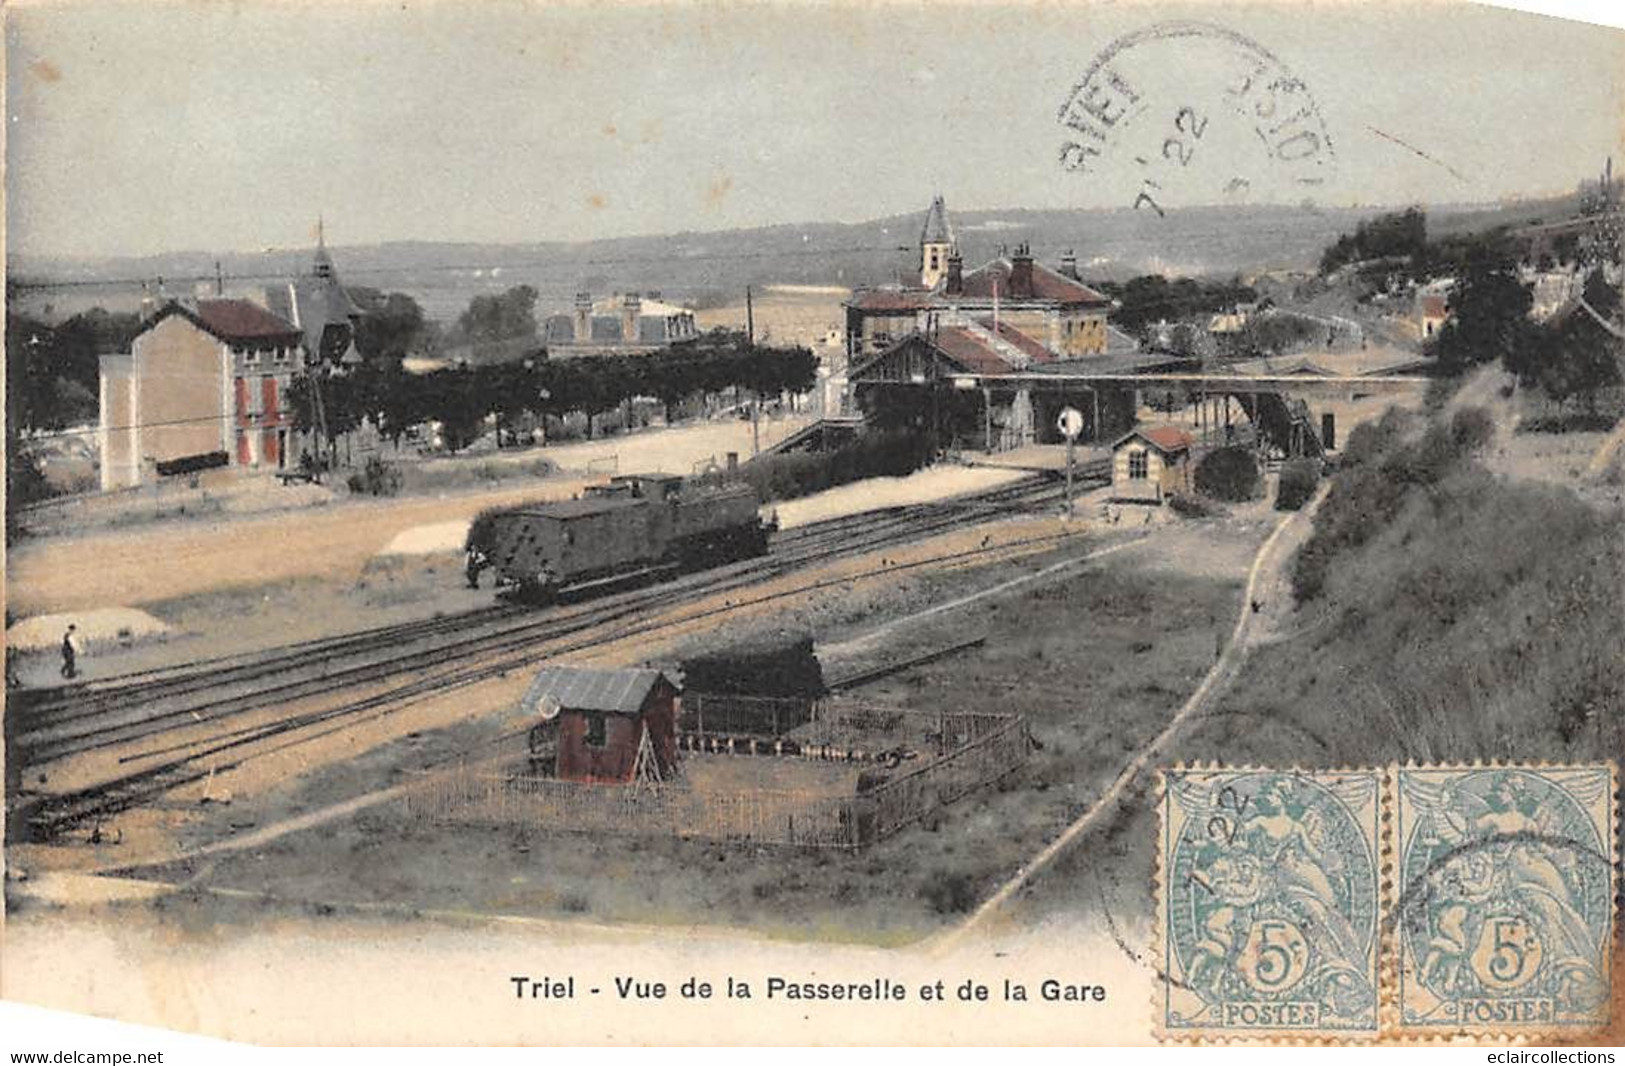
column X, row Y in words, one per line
column 654, row 524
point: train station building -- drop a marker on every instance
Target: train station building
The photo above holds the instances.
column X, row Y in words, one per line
column 984, row 358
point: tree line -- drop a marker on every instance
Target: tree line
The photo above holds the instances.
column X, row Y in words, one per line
column 461, row 398
column 1152, row 297
column 1569, row 357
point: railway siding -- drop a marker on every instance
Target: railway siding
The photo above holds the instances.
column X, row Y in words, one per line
column 195, row 723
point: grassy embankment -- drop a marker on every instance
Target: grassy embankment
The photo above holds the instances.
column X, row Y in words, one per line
column 1444, row 615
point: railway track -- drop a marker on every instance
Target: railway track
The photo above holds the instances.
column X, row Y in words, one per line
column 201, row 719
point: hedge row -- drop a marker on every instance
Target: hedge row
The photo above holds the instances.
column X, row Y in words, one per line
column 878, row 454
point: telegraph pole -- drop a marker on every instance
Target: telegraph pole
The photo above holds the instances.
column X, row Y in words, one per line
column 756, row 394
column 1070, row 423
column 1070, row 445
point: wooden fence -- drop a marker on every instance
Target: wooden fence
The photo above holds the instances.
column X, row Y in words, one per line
column 722, row 715
column 518, row 798
column 965, row 751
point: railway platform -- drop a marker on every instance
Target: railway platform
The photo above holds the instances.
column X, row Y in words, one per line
column 1038, row 458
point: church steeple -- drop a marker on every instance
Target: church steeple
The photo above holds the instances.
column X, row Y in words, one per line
column 324, row 262
column 936, row 244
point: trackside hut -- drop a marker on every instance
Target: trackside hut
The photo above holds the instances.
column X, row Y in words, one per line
column 1149, row 465
column 614, row 726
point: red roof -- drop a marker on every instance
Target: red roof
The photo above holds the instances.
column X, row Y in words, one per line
column 1434, row 305
column 1010, row 335
column 971, row 351
column 891, row 300
column 1047, row 285
column 240, row 320
column 1169, row 440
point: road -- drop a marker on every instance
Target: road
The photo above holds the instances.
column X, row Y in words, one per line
column 181, row 558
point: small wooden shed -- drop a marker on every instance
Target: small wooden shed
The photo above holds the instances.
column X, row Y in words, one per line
column 614, row 725
column 1149, row 465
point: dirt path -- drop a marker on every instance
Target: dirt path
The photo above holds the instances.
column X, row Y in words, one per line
column 1267, row 570
column 182, row 560
column 1606, row 451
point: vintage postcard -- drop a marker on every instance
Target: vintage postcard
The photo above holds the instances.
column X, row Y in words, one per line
column 815, row 522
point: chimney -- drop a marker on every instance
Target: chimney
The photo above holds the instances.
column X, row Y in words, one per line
column 1021, row 273
column 1069, row 265
column 631, row 310
column 583, row 317
column 956, row 274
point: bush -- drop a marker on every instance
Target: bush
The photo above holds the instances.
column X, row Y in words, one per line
column 1578, row 422
column 876, row 454
column 1381, row 468
column 1191, row 506
column 1228, row 474
column 950, row 893
column 1299, row 478
column 377, row 478
column 1471, row 429
column 1439, row 391
column 192, row 463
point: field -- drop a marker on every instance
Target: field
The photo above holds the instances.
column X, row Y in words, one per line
column 783, row 314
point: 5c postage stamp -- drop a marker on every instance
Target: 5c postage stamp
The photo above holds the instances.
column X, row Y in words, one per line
column 1268, row 903
column 1506, row 907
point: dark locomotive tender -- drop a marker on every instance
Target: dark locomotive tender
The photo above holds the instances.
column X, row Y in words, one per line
column 636, row 523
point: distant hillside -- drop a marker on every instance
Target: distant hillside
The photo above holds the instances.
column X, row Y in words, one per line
column 710, row 268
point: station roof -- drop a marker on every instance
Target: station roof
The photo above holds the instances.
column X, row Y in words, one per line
column 971, row 352
column 1019, row 340
column 580, row 688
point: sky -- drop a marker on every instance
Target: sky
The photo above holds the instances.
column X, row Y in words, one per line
column 136, row 128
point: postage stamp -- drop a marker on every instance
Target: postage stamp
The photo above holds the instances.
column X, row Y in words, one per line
column 1505, row 913
column 1190, row 112
column 1268, row 902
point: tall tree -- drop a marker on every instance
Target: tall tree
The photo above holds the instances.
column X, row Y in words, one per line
column 1489, row 309
column 492, row 319
column 391, row 326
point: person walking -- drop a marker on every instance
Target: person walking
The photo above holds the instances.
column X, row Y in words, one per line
column 70, row 652
column 474, row 563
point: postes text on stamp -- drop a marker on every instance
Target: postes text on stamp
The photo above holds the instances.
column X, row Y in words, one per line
column 1505, row 913
column 1268, row 902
